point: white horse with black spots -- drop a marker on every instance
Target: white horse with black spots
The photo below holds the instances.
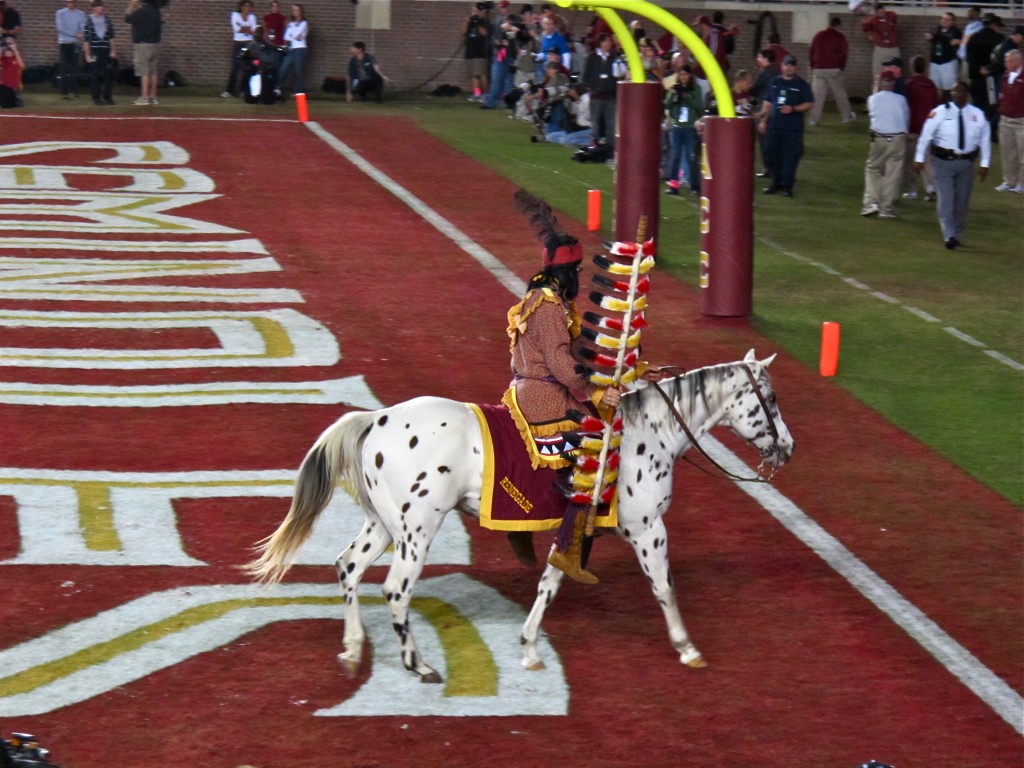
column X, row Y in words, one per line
column 411, row 464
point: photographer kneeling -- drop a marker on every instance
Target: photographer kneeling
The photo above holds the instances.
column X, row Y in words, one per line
column 575, row 128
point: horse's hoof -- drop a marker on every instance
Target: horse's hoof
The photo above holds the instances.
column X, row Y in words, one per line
column 533, row 666
column 431, row 677
column 350, row 666
column 696, row 663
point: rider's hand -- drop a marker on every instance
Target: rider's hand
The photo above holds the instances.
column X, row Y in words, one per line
column 610, row 398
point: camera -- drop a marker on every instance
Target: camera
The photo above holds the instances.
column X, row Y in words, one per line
column 23, row 751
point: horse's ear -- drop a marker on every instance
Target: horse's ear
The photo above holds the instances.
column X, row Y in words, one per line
column 768, row 360
column 750, row 357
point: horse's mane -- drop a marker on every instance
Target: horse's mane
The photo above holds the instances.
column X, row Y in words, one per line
column 685, row 388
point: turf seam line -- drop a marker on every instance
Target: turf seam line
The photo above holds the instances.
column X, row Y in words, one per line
column 855, row 283
column 984, row 683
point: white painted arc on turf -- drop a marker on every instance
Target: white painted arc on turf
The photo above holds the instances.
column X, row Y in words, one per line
column 501, row 273
column 1006, row 702
column 855, row 283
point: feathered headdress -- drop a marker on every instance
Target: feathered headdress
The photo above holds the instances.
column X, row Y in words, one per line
column 559, row 246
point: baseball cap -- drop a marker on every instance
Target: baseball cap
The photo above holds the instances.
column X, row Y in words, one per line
column 991, row 18
column 894, row 61
column 887, row 77
column 790, row 59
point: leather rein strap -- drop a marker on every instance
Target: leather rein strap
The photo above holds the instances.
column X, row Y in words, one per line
column 693, row 440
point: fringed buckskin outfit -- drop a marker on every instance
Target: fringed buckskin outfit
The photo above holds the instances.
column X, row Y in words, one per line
column 542, row 329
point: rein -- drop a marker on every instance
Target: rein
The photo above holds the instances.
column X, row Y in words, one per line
column 693, row 440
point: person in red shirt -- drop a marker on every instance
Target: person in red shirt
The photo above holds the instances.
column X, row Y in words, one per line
column 1011, row 121
column 11, row 67
column 273, row 25
column 881, row 30
column 922, row 97
column 716, row 44
column 828, row 54
column 775, row 44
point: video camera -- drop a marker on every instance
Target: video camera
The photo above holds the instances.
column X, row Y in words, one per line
column 23, row 751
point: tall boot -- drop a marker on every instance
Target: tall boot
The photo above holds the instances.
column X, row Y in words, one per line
column 568, row 562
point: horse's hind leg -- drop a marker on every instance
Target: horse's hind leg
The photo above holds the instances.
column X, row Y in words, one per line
column 351, row 565
column 651, row 547
column 550, row 580
column 410, row 556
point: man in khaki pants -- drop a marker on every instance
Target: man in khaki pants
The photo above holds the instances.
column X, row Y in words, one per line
column 828, row 54
column 883, row 174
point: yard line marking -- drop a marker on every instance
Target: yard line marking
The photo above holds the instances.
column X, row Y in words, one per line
column 1005, row 701
column 998, row 356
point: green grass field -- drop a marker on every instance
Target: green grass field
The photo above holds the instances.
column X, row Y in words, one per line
column 890, row 283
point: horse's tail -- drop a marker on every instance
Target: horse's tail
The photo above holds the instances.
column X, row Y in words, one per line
column 334, row 458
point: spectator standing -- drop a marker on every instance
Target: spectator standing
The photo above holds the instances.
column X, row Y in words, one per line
column 782, row 122
column 979, row 59
column 600, row 77
column 11, row 68
column 775, row 43
column 973, row 25
column 922, row 98
column 716, row 44
column 894, row 67
column 1011, row 121
column 955, row 134
column 273, row 25
column 295, row 37
column 364, row 76
column 684, row 105
column 11, row 20
column 828, row 55
column 146, row 21
column 99, row 51
column 883, row 172
column 881, row 30
column 476, row 33
column 553, row 39
column 243, row 24
column 944, row 42
column 510, row 39
column 766, row 72
column 70, row 32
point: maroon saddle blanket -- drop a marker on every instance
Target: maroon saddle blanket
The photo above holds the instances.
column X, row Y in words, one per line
column 514, row 496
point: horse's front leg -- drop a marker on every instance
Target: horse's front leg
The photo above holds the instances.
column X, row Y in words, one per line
column 351, row 565
column 550, row 580
column 651, row 547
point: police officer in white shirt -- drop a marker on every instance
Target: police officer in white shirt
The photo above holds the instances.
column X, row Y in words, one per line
column 883, row 173
column 955, row 133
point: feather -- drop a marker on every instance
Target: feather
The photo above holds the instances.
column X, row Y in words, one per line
column 539, row 214
column 623, row 269
column 615, row 323
column 617, row 305
column 610, row 342
column 643, row 285
column 605, row 380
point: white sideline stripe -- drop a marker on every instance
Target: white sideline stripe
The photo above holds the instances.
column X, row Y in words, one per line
column 854, row 282
column 985, row 684
column 501, row 273
column 1006, row 702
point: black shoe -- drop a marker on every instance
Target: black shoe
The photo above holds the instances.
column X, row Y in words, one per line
column 770, row 190
column 108, row 101
column 97, row 102
column 484, row 106
column 952, row 243
column 787, row 192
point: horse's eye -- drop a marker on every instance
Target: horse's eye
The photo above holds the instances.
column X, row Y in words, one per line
column 771, row 398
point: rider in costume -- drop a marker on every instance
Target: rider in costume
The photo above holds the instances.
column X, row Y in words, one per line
column 548, row 391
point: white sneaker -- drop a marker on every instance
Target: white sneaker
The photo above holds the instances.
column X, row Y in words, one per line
column 910, row 195
column 1019, row 188
column 1004, row 187
column 887, row 215
column 225, row 95
column 813, row 123
column 141, row 102
column 869, row 210
column 153, row 101
column 851, row 118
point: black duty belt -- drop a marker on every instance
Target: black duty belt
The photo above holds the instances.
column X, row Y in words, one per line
column 949, row 154
column 886, row 136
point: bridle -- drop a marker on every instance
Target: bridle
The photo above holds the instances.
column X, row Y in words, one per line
column 761, row 468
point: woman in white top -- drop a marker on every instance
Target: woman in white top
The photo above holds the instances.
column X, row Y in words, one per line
column 295, row 35
column 243, row 24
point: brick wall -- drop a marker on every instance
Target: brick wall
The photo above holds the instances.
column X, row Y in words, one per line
column 421, row 46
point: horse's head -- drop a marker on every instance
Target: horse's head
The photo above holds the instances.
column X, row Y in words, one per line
column 751, row 411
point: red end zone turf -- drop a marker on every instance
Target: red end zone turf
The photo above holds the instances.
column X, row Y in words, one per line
column 803, row 669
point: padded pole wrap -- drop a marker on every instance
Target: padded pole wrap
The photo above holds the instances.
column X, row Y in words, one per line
column 638, row 111
column 727, row 217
